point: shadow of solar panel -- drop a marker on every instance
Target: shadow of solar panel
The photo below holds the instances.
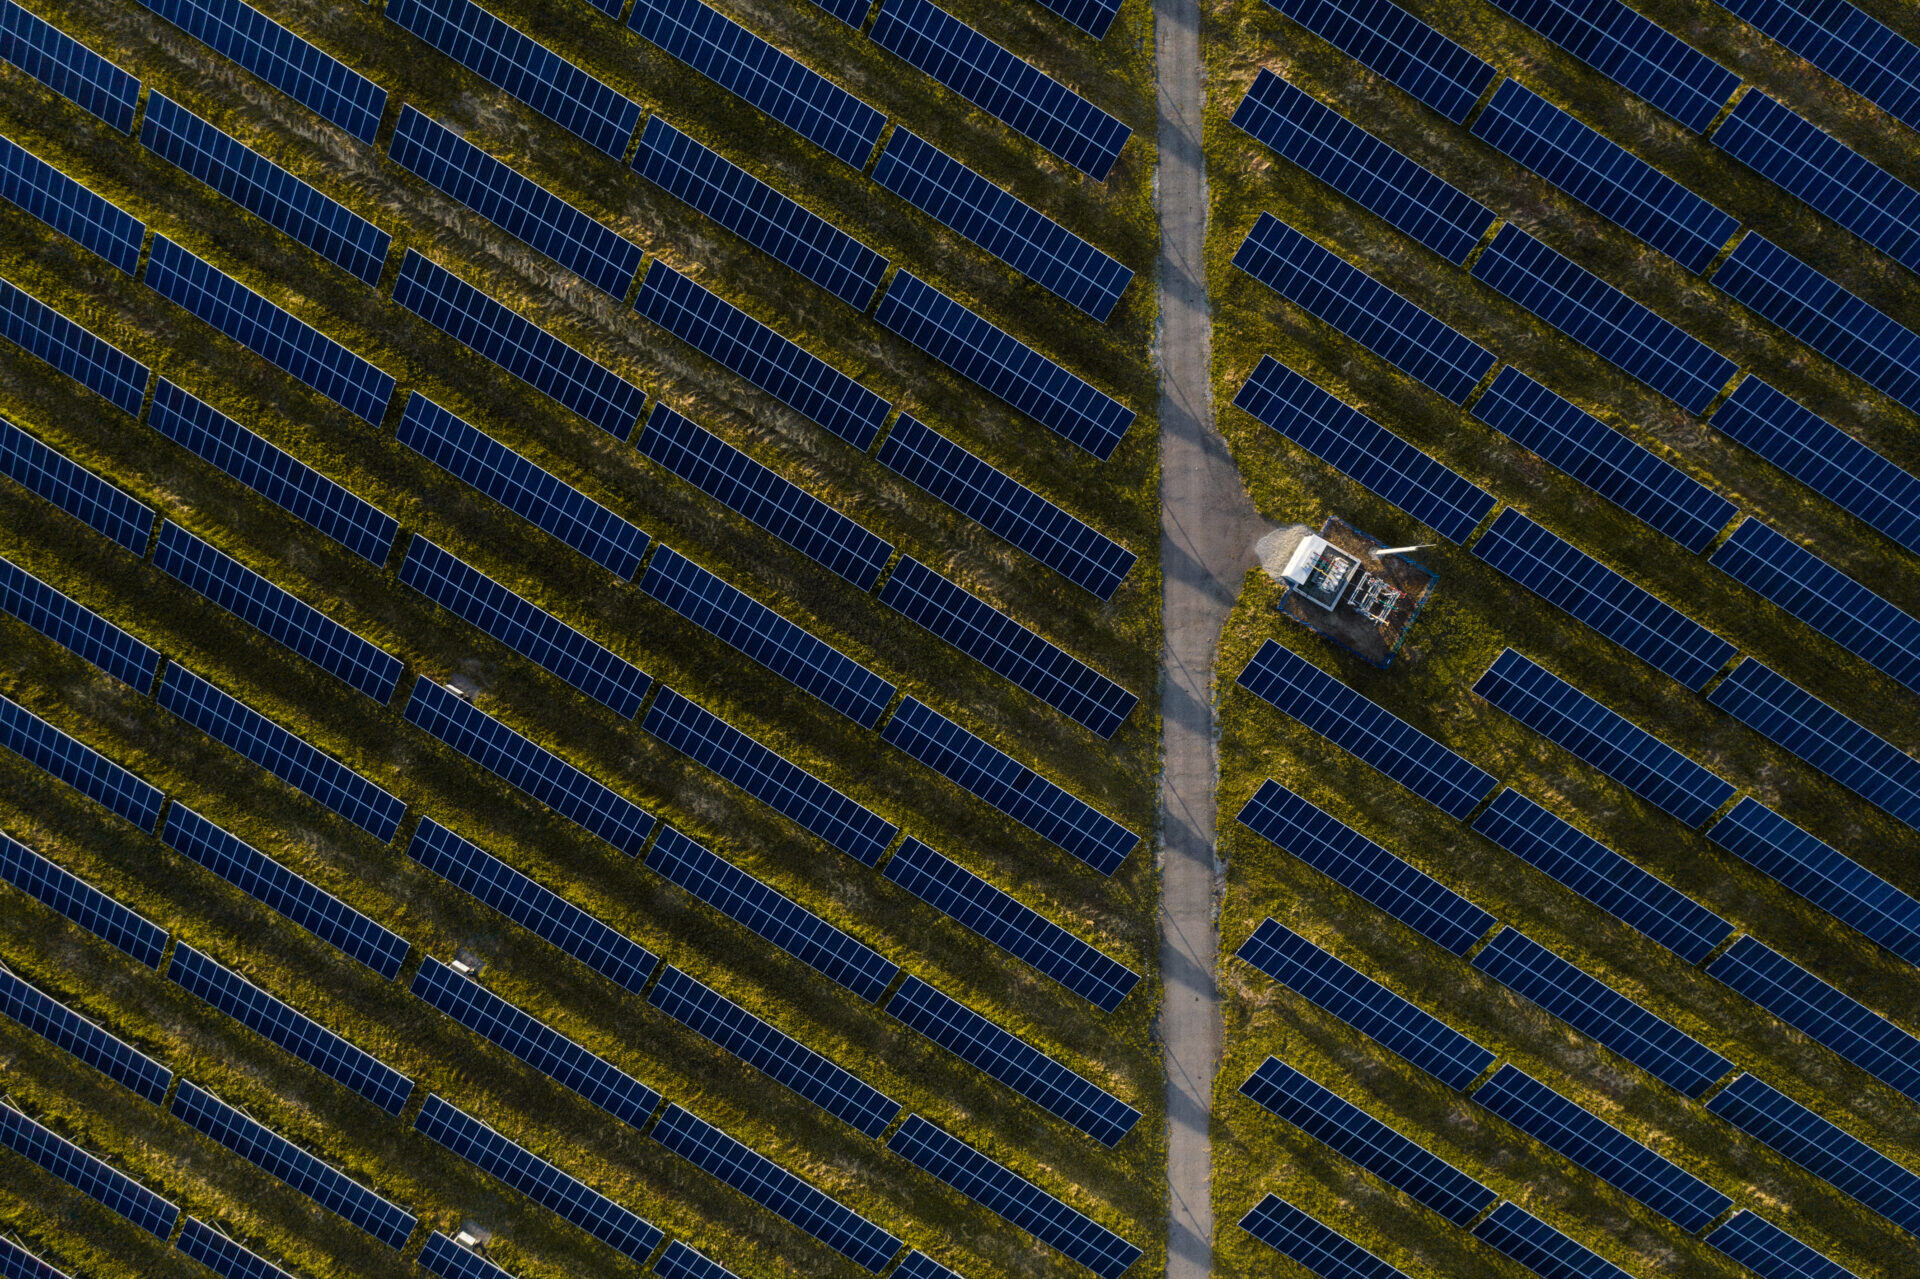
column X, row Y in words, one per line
column 39, row 330
column 537, row 496
column 1397, row 47
column 793, row 928
column 745, row 65
column 1006, row 784
column 274, row 335
column 781, row 1057
column 1013, row 1198
column 1542, row 1249
column 222, row 1255
column 81, row 902
column 74, row 489
column 1771, row 1252
column 1607, row 178
column 1022, row 237
column 1860, row 52
column 1601, row 1013
column 90, row 1176
column 764, row 497
column 1363, row 450
column 91, row 222
column 726, row 334
column 1365, row 869
column 523, row 68
column 59, row 1025
column 443, row 1257
column 758, row 214
column 682, row 1262
column 1565, row 576
column 528, row 630
column 70, row 760
column 267, row 881
column 76, row 627
column 313, row 773
column 68, row 67
column 1003, row 365
column 540, row 911
column 1635, row 54
column 1295, row 1235
column 1010, row 924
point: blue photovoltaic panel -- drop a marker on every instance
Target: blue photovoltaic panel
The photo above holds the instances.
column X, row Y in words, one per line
column 74, row 489
column 726, row 334
column 1010, row 924
column 1623, row 471
column 61, row 1026
column 537, row 496
column 1362, row 167
column 1603, row 319
column 1006, row 784
column 1635, row 54
column 1092, row 17
column 743, row 64
column 84, row 1173
column 277, row 614
column 447, row 1259
column 1292, row 1233
column 66, row 66
column 290, row 1029
column 1296, row 687
column 534, row 633
column 1024, row 238
column 264, row 189
column 1007, row 648
column 775, row 1189
column 539, row 910
column 1601, row 1149
column 312, row 78
column 1860, row 52
column 516, row 204
column 1362, row 449
column 1602, row 175
column 1771, row 1252
column 759, row 214
column 81, row 902
column 78, row 765
column 682, row 1262
column 1006, row 1057
column 793, row 928
column 273, row 473
column 527, row 767
column 223, row 1256
column 17, row 1263
column 919, row 1265
column 1567, row 577
column 764, row 497
column 313, row 773
column 1602, row 876
column 1630, row 755
column 781, row 1057
column 1598, row 1011
column 523, row 68
column 1012, row 1197
column 1003, row 365
column 1001, row 504
column 38, row 329
column 76, row 627
column 853, row 13
column 274, row 335
column 1542, row 1249
column 68, row 207
column 1398, row 47
column 1365, row 869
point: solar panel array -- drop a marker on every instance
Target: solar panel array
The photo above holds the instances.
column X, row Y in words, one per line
column 1771, row 1252
column 1326, row 1253
column 38, row 329
column 851, row 12
column 74, row 489
column 681, row 1262
column 68, row 67
column 1542, row 1249
column 1860, row 52
column 919, row 1265
column 72, row 761
column 81, row 902
column 222, row 1255
column 74, row 211
column 59, row 1025
column 1398, row 47
column 1635, row 54
column 443, row 1257
column 90, row 1176
column 76, row 627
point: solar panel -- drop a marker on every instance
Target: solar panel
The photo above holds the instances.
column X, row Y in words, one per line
column 59, row 1025
column 1012, row 1197
column 524, row 627
column 76, row 627
column 523, row 68
column 1635, row 54
column 516, row 204
column 682, row 1262
column 854, row 14
column 66, row 66
column 780, row 1056
column 90, row 1176
column 222, row 1255
column 1007, row 648
column 1602, row 876
column 443, row 1257
column 1363, row 450
column 1623, row 751
column 72, row 761
column 73, row 210
column 291, row 345
column 273, row 473
column 1771, row 1252
column 38, row 329
column 539, row 910
column 528, row 767
column 276, row 613
column 275, row 1155
column 313, row 773
column 775, row 1189
column 1398, row 47
column 1012, row 925
column 1019, row 235
column 537, row 496
column 74, row 489
column 1006, row 784
column 1603, row 319
column 758, row 214
column 1365, row 869
column 1860, row 52
column 1003, row 366
column 314, row 79
column 1542, row 1249
column 764, row 497
column 726, row 334
column 1293, row 1234
column 793, row 928
column 17, row 1263
column 1601, row 1013
column 81, row 902
column 919, row 1265
column 558, row 1192
column 1607, row 178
